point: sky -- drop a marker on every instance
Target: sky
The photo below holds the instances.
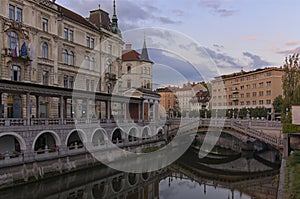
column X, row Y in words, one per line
column 229, row 35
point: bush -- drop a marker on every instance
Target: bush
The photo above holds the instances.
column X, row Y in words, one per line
column 290, row 128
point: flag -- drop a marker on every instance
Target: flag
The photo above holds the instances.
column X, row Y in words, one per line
column 16, row 51
column 23, row 50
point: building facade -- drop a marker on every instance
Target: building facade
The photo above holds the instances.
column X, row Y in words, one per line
column 169, row 100
column 193, row 96
column 251, row 89
column 47, row 44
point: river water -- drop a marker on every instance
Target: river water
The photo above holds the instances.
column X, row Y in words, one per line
column 224, row 173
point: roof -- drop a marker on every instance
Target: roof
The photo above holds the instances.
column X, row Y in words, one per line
column 101, row 19
column 131, row 55
column 147, row 91
column 244, row 73
column 75, row 17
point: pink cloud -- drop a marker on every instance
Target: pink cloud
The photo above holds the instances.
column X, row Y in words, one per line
column 292, row 43
column 250, row 38
column 290, row 51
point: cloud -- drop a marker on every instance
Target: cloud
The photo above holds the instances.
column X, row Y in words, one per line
column 292, row 43
column 256, row 61
column 290, row 51
column 215, row 6
column 167, row 20
column 178, row 12
column 131, row 14
column 250, row 38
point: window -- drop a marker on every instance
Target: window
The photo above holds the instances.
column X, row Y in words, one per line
column 71, row 58
column 66, row 33
column 269, row 83
column 248, row 86
column 261, row 102
column 92, row 85
column 13, row 40
column 45, row 78
column 254, row 94
column 65, row 56
column 11, row 12
column 248, row 103
column 261, row 84
column 261, row 93
column 92, row 43
column 71, row 35
column 71, row 82
column 253, row 102
column 45, row 24
column 16, row 73
column 247, row 95
column 92, row 63
column 128, row 83
column 45, row 50
column 254, row 76
column 269, row 92
column 269, row 74
column 88, row 42
column 87, row 62
column 110, row 49
column 242, row 87
column 253, row 85
column 19, row 15
column 87, row 84
column 65, row 81
column 268, row 102
column 242, row 95
column 128, row 69
column 108, row 65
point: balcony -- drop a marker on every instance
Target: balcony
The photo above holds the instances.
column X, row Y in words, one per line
column 8, row 55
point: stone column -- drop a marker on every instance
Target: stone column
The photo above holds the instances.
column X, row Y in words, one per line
column 61, row 108
column 108, row 109
column 28, row 108
column 65, row 107
column 37, row 106
column 87, row 102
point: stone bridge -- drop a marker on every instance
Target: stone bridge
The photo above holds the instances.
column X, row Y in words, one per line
column 259, row 130
column 21, row 141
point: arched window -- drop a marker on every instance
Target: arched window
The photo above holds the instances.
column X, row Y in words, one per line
column 65, row 57
column 71, row 58
column 13, row 40
column 45, row 50
column 128, row 69
column 108, row 65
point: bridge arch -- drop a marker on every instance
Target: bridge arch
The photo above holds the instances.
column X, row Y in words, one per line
column 76, row 136
column 117, row 135
column 99, row 137
column 99, row 190
column 19, row 138
column 133, row 134
column 132, row 179
column 160, row 132
column 118, row 183
column 146, row 132
column 46, row 138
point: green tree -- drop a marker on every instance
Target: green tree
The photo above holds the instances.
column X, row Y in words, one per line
column 277, row 104
column 291, row 87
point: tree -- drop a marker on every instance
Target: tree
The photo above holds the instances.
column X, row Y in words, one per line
column 291, row 87
column 277, row 104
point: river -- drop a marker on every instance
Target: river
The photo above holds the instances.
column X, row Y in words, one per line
column 224, row 173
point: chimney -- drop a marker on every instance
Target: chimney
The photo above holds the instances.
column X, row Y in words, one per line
column 128, row 46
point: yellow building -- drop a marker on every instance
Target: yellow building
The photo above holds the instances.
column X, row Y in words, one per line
column 251, row 89
column 47, row 44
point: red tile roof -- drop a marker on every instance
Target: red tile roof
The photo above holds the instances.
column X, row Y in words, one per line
column 105, row 20
column 131, row 55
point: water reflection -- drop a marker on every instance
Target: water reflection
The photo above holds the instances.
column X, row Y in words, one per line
column 229, row 171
